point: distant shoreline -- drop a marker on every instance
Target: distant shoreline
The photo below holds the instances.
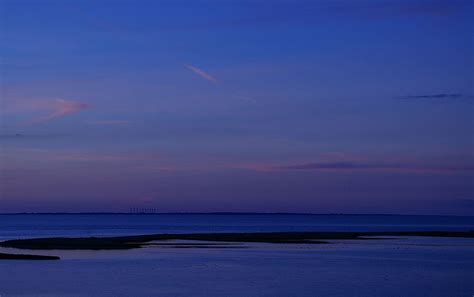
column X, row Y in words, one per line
column 226, row 213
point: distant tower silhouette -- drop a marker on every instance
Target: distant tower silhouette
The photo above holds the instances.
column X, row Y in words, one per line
column 142, row 210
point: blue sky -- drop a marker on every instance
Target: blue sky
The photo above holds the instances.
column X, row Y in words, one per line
column 306, row 106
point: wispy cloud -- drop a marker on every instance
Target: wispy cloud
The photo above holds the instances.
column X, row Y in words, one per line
column 212, row 79
column 11, row 136
column 110, row 123
column 158, row 168
column 340, row 166
column 202, row 73
column 379, row 166
column 436, row 96
column 28, row 137
column 320, row 166
column 85, row 156
column 58, row 108
column 339, row 163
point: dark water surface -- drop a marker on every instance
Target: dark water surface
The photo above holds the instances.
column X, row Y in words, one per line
column 409, row 267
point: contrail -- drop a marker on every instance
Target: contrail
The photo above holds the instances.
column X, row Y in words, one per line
column 212, row 79
column 202, row 74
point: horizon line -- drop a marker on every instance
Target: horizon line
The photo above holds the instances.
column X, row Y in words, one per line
column 225, row 213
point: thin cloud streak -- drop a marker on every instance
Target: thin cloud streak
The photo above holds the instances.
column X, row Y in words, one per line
column 202, row 74
column 353, row 166
column 89, row 156
column 389, row 167
column 212, row 79
column 435, row 96
column 110, row 123
column 340, row 166
column 60, row 107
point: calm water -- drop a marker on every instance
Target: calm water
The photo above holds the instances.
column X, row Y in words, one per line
column 21, row 226
column 409, row 267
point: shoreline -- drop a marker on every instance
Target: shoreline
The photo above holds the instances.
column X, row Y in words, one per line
column 232, row 213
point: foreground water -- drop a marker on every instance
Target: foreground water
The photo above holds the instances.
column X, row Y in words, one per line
column 415, row 266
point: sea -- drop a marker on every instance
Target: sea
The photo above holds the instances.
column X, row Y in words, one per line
column 384, row 267
column 14, row 226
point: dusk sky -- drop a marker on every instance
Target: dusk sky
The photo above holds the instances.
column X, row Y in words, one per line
column 260, row 106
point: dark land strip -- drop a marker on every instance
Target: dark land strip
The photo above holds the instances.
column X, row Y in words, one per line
column 26, row 257
column 131, row 242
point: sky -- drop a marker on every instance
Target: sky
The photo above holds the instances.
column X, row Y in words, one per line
column 239, row 106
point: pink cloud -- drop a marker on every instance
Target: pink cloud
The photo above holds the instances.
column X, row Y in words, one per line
column 56, row 108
